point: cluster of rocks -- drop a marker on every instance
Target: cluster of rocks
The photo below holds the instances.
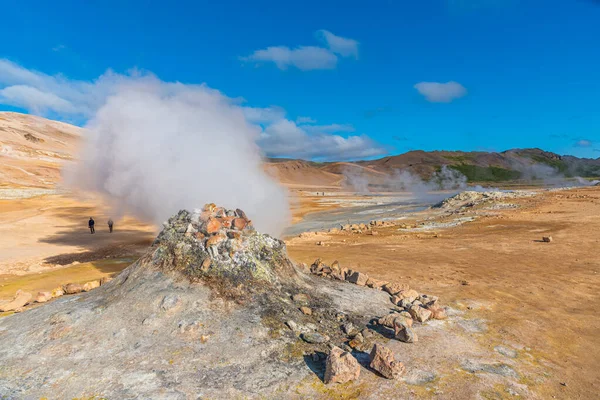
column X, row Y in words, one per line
column 217, row 242
column 368, row 228
column 23, row 298
column 410, row 307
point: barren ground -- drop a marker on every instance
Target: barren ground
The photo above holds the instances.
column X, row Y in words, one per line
column 539, row 299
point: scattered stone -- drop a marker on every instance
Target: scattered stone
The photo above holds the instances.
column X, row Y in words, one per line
column 73, row 288
column 388, row 320
column 314, row 337
column 395, row 288
column 91, row 285
column 384, row 362
column 43, row 297
column 437, row 312
column 409, row 294
column 547, row 239
column 306, row 310
column 403, row 330
column 20, row 300
column 376, row 284
column 349, row 329
column 341, row 367
column 58, row 292
column 358, row 278
column 419, row 313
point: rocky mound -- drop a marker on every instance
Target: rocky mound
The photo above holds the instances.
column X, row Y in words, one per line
column 213, row 309
column 471, row 198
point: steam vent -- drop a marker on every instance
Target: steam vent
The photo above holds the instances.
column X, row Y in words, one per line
column 215, row 309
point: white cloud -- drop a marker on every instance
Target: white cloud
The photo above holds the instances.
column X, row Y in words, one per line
column 345, row 47
column 264, row 115
column 331, row 128
column 304, row 58
column 34, row 99
column 305, row 120
column 436, row 92
column 307, row 58
column 286, row 139
column 279, row 137
column 583, row 143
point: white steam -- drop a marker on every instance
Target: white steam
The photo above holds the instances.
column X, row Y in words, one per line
column 154, row 148
column 363, row 181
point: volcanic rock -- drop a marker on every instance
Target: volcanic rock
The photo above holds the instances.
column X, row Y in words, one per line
column 73, row 288
column 358, row 278
column 43, row 297
column 341, row 367
column 384, row 362
column 20, row 300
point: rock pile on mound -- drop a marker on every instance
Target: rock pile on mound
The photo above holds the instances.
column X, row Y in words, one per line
column 213, row 309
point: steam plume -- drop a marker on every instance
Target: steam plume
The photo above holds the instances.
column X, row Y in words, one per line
column 153, row 148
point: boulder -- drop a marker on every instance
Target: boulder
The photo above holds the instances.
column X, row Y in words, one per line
column 403, row 330
column 419, row 313
column 58, row 292
column 384, row 362
column 20, row 300
column 73, row 288
column 358, row 278
column 437, row 312
column 375, row 283
column 394, row 288
column 341, row 367
column 409, row 294
column 91, row 285
column 43, row 297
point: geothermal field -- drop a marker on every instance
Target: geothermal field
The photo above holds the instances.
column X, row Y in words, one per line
column 226, row 275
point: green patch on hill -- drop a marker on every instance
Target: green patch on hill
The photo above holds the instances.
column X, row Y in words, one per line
column 475, row 173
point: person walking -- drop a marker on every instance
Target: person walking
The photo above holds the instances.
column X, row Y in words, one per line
column 91, row 224
column 110, row 225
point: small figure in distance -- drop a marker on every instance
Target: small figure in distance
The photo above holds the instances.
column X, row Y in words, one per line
column 91, row 224
column 110, row 225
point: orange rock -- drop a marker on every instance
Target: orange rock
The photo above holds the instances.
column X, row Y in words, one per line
column 213, row 225
column 226, row 221
column 384, row 362
column 214, row 240
column 341, row 367
column 43, row 297
column 91, row 285
column 239, row 223
column 73, row 288
column 19, row 301
column 205, row 215
column 210, row 207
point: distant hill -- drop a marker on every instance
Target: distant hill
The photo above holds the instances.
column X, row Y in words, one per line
column 34, row 149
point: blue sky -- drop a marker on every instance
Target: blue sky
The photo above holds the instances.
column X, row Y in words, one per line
column 373, row 78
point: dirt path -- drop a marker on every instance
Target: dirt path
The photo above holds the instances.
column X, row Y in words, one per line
column 539, row 298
